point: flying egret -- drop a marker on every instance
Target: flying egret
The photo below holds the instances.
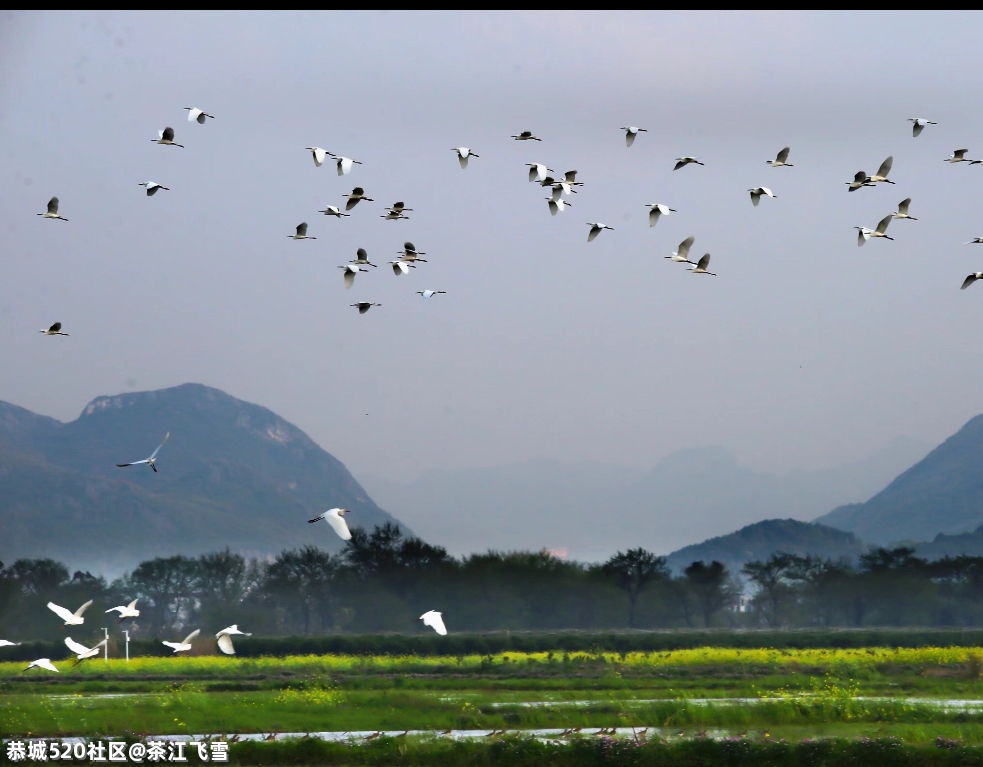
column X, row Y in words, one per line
column 402, row 267
column 152, row 187
column 224, row 638
column 364, row 306
column 658, row 209
column 362, row 258
column 557, row 206
column 538, row 171
column 630, row 132
column 399, row 207
column 971, row 279
column 558, row 187
column 197, row 114
column 357, row 195
column 681, row 256
column 52, row 211
column 8, row 643
column 336, row 517
column 570, row 177
column 81, row 651
column 903, row 209
column 395, row 212
column 332, row 210
column 344, row 164
column 864, row 234
column 781, row 160
column 410, row 253
column 757, row 192
column 152, row 460
column 859, row 179
column 126, row 611
column 595, row 229
column 463, row 154
column 974, row 241
column 434, row 620
column 70, row 618
column 881, row 175
column 702, row 265
column 526, row 135
column 166, row 138
column 301, row 233
column 185, row 644
column 42, row 663
column 319, row 155
column 54, row 330
column 350, row 271
column 682, row 162
column 958, row 155
column 918, row 125
column 430, row 293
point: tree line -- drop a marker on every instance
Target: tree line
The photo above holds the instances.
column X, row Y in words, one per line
column 383, row 581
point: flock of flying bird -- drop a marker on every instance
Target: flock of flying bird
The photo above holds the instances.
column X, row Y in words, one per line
column 408, row 258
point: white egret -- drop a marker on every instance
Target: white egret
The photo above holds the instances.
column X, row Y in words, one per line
column 319, row 155
column 399, row 207
column 185, row 644
column 81, row 651
column 702, row 266
column 658, row 209
column 681, row 256
column 630, row 132
column 918, row 125
column 463, row 155
column 70, row 618
column 526, row 135
column 42, row 663
column 557, row 206
column 864, row 234
column 595, row 229
column 126, row 611
column 152, row 460
column 54, row 330
column 757, row 192
column 434, row 620
column 903, row 209
column 350, row 271
column 781, row 160
column 301, row 233
column 52, row 211
column 558, row 187
column 410, row 253
column 224, row 638
column 362, row 258
column 332, row 210
column 344, row 164
column 336, row 517
column 8, row 643
column 859, row 179
column 152, row 187
column 682, row 162
column 402, row 267
column 538, row 171
column 881, row 175
column 430, row 293
column 357, row 195
column 364, row 306
column 975, row 241
column 199, row 115
column 959, row 155
column 971, row 279
column 395, row 212
column 166, row 138
column 570, row 177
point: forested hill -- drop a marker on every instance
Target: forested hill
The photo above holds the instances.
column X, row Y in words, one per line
column 232, row 474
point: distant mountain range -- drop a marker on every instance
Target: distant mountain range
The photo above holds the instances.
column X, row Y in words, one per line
column 232, row 474
column 592, row 510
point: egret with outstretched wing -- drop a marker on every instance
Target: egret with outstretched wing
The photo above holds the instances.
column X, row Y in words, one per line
column 152, row 460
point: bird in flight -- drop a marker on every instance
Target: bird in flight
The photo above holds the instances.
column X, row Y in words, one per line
column 401, row 267
column 224, row 638
column 682, row 162
column 410, row 253
column 430, row 293
column 320, row 155
column 596, row 229
column 702, row 266
column 918, row 125
column 859, row 179
column 881, row 175
column 538, row 171
column 526, row 135
column 52, row 211
column 70, row 618
column 463, row 155
column 657, row 209
column 54, row 330
column 434, row 620
column 971, row 279
column 364, row 306
column 126, row 611
column 903, row 209
column 166, row 138
column 336, row 517
column 351, row 270
column 185, row 644
column 757, row 192
column 198, row 115
column 44, row 663
column 781, row 160
column 152, row 187
column 959, row 155
column 864, row 234
column 301, row 233
column 357, row 195
column 395, row 212
column 681, row 256
column 362, row 258
column 8, row 643
column 630, row 132
column 344, row 164
column 81, row 651
column 557, row 206
column 332, row 210
column 152, row 460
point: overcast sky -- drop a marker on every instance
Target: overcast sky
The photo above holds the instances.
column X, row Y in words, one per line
column 806, row 351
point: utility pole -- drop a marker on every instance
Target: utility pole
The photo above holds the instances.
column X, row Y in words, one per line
column 127, row 633
column 105, row 647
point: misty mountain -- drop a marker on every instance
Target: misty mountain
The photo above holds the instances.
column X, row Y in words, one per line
column 592, row 509
column 232, row 474
column 942, row 493
column 762, row 539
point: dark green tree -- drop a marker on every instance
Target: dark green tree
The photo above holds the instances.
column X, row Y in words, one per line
column 632, row 571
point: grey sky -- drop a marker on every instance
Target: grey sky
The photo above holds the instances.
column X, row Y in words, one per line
column 805, row 351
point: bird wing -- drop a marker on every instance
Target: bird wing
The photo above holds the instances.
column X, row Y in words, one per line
column 685, row 245
column 44, row 663
column 594, row 231
column 168, row 134
column 755, row 198
column 435, row 621
column 679, row 164
column 135, row 463
column 53, row 206
column 83, row 608
column 861, row 238
column 192, row 635
column 115, row 609
column 352, row 202
column 336, row 521
column 55, row 328
column 61, row 612
column 704, row 262
column 630, row 137
column 916, row 128
column 349, row 278
column 903, row 206
column 654, row 214
column 225, row 644
column 132, row 605
column 302, row 230
column 882, row 224
column 533, row 172
column 859, row 177
column 885, row 167
column 173, row 645
column 154, row 454
column 462, row 160
column 958, row 154
column 193, row 114
column 570, row 176
column 553, row 207
column 75, row 647
column 783, row 155
column 969, row 281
